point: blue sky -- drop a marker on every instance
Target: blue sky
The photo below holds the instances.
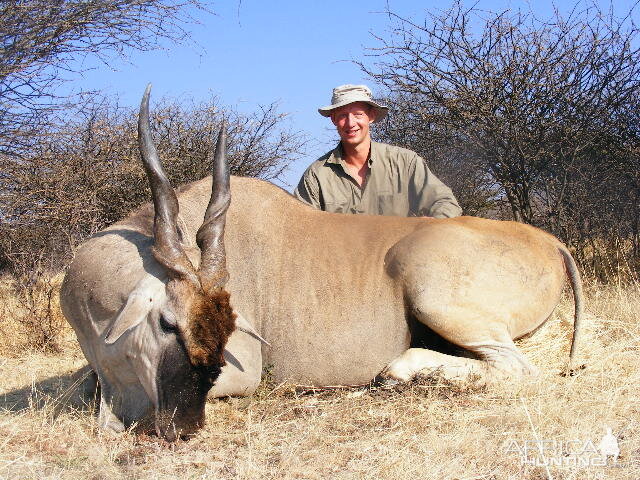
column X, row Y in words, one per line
column 253, row 52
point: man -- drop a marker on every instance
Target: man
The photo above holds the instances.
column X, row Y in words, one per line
column 365, row 177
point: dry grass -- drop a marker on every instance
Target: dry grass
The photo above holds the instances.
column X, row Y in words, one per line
column 423, row 430
column 30, row 312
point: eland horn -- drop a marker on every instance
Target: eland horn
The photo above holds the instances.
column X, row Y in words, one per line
column 210, row 237
column 167, row 248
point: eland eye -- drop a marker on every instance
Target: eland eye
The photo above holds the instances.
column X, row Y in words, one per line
column 168, row 323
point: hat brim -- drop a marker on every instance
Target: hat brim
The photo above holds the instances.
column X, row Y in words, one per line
column 381, row 110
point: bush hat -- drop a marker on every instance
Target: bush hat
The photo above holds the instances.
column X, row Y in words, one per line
column 346, row 94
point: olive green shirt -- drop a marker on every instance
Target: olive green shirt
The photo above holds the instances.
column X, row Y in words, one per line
column 399, row 183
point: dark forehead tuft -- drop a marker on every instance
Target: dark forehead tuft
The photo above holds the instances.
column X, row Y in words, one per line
column 211, row 323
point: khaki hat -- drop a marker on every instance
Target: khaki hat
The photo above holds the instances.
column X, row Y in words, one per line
column 346, row 94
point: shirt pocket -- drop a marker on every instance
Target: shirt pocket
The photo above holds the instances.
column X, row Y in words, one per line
column 393, row 204
column 336, row 207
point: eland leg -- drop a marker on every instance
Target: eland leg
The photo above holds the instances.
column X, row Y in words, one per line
column 107, row 420
column 489, row 341
column 421, row 361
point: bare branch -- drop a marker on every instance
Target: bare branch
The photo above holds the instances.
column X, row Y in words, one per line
column 531, row 118
column 44, row 42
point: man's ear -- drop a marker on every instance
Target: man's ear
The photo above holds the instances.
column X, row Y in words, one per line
column 372, row 114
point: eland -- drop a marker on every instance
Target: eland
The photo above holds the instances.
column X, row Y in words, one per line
column 174, row 302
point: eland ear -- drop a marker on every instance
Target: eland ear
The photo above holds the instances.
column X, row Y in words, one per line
column 141, row 300
column 133, row 313
column 243, row 325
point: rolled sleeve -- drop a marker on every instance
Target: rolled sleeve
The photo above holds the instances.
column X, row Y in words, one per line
column 431, row 197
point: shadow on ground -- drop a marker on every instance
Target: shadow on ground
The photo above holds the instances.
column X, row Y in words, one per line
column 75, row 391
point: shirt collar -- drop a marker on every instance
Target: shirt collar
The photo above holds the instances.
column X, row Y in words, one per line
column 335, row 156
column 376, row 152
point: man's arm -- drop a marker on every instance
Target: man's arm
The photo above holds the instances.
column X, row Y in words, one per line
column 431, row 197
column 308, row 189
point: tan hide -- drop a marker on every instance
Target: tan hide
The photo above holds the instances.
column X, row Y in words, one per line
column 332, row 293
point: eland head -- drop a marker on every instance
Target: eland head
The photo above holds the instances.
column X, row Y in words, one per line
column 192, row 319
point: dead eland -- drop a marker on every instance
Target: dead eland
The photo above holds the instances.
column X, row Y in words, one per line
column 172, row 303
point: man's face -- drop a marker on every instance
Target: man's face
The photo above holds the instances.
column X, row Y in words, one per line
column 352, row 122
